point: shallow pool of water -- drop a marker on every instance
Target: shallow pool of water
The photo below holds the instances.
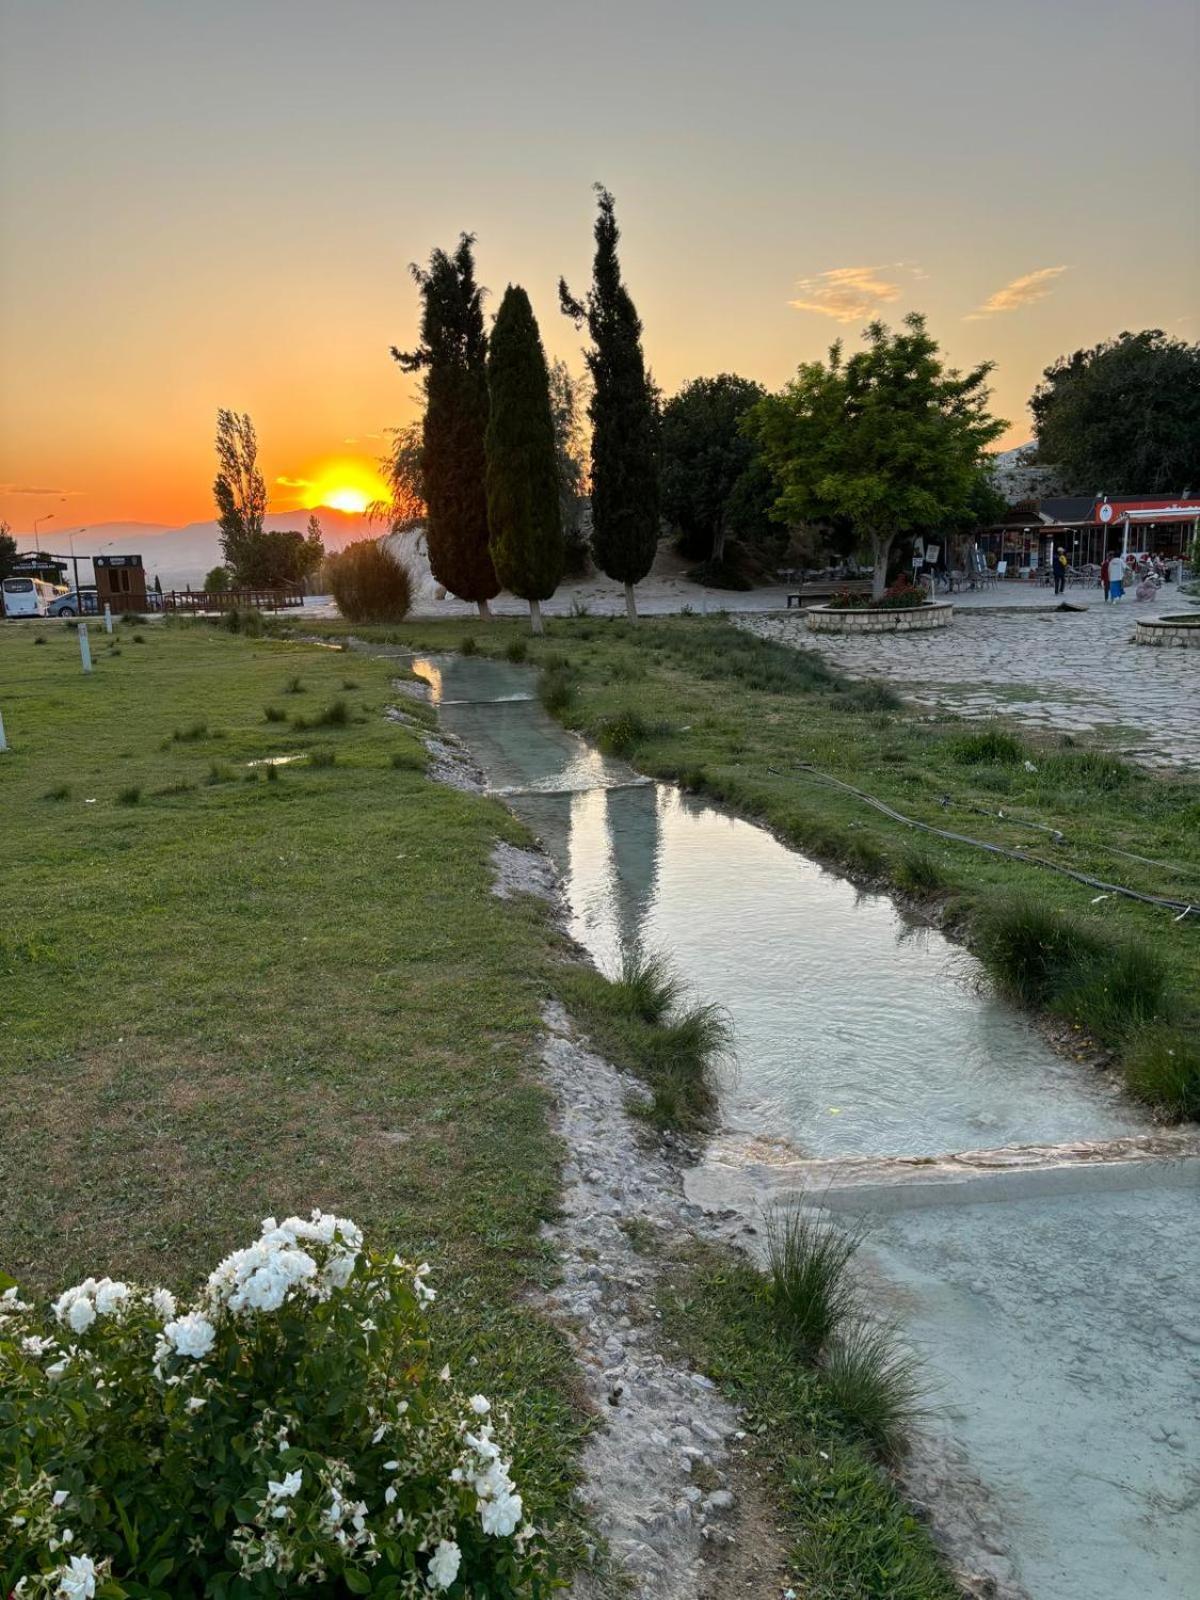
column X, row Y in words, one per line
column 857, row 1033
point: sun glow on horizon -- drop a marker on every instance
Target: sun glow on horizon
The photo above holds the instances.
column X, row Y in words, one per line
column 344, row 484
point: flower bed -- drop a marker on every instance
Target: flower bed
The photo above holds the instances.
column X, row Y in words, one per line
column 902, row 596
column 286, row 1430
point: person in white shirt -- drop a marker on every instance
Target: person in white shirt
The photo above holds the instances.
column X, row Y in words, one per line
column 1116, row 577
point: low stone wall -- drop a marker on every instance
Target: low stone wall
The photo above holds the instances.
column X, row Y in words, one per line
column 914, row 619
column 1181, row 632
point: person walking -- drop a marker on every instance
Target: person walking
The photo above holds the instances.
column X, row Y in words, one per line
column 1116, row 577
column 1060, row 570
column 1104, row 568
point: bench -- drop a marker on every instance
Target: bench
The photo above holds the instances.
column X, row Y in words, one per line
column 826, row 588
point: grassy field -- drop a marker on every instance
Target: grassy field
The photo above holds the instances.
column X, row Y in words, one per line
column 224, row 995
column 755, row 725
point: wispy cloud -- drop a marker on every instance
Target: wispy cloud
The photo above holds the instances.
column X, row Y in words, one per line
column 294, row 483
column 846, row 293
column 24, row 488
column 1022, row 291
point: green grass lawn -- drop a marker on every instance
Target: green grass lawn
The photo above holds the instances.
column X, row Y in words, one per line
column 752, row 724
column 223, row 997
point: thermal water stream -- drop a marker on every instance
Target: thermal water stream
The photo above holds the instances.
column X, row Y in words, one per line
column 1059, row 1319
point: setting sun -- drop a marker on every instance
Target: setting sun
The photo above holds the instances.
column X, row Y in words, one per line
column 346, row 484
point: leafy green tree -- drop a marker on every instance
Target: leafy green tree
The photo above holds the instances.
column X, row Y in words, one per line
column 524, row 512
column 8, row 550
column 217, row 581
column 625, row 492
column 405, row 505
column 1123, row 417
column 713, row 482
column 240, row 492
column 890, row 439
column 453, row 356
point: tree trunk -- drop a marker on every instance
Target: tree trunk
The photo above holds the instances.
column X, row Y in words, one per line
column 485, row 611
column 881, row 548
column 630, row 603
column 718, row 549
column 535, row 617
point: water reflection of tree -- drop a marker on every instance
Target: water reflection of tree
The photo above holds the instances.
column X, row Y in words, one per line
column 635, row 839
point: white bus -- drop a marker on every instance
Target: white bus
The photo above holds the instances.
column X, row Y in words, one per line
column 28, row 597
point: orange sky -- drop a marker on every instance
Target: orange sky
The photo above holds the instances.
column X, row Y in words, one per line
column 215, row 206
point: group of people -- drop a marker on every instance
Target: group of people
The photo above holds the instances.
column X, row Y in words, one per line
column 1114, row 570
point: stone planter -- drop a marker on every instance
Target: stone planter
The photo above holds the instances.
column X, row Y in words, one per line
column 1182, row 631
column 914, row 619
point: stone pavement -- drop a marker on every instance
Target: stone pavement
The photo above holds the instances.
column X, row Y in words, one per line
column 1054, row 671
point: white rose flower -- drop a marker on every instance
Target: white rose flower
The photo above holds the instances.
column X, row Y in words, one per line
column 444, row 1565
column 78, row 1580
column 81, row 1314
column 191, row 1335
column 289, row 1486
column 110, row 1296
column 164, row 1303
column 501, row 1515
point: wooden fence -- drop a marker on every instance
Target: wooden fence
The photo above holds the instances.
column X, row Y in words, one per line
column 232, row 599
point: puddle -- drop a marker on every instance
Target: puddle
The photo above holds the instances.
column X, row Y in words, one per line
column 275, row 761
column 1058, row 1319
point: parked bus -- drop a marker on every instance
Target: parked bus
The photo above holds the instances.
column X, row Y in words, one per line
column 28, row 597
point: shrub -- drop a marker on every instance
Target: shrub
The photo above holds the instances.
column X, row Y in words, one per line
column 194, row 732
column 918, row 872
column 556, row 689
column 901, row 596
column 322, row 758
column 467, row 646
column 40, row 639
column 368, row 585
column 335, row 715
column 219, row 773
column 874, row 1384
column 293, row 686
column 61, row 791
column 809, row 1289
column 274, row 714
column 985, row 749
column 1162, row 1067
column 290, row 1427
column 131, row 796
column 249, row 622
column 1030, row 949
column 181, row 786
column 409, row 760
column 648, row 988
column 621, row 733
column 516, row 650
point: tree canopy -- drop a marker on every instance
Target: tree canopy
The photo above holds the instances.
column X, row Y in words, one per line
column 1123, row 417
column 625, row 494
column 524, row 510
column 8, row 550
column 239, row 490
column 890, row 439
column 453, row 356
column 713, row 481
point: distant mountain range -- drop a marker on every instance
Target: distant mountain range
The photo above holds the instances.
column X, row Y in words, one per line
column 182, row 556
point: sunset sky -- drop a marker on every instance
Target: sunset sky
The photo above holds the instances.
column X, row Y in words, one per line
column 214, row 202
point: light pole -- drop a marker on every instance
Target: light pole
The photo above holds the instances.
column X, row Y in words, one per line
column 75, row 565
column 49, row 517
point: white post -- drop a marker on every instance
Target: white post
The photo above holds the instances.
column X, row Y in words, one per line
column 85, row 649
column 3, row 740
column 107, row 617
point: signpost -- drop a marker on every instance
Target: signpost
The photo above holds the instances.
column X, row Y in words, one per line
column 85, row 649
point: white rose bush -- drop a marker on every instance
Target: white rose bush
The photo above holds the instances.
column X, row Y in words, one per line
column 285, row 1433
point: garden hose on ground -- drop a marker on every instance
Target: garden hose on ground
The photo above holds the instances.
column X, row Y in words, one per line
column 1184, row 908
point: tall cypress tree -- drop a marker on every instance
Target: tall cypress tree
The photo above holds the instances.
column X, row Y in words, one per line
column 453, row 356
column 625, row 515
column 524, row 511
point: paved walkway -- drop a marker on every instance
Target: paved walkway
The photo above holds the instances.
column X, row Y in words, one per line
column 1055, row 671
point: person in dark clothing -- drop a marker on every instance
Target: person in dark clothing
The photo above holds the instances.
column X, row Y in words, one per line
column 1060, row 570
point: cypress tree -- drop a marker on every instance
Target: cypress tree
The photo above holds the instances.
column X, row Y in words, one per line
column 453, row 356
column 625, row 516
column 524, row 512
